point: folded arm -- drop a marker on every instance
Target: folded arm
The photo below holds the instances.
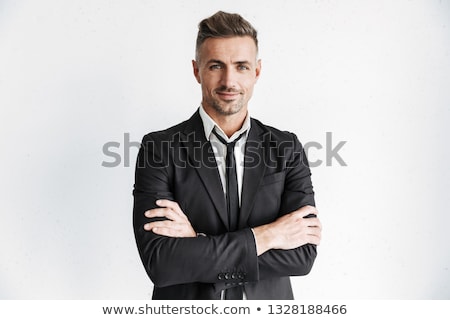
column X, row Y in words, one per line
column 170, row 253
column 285, row 259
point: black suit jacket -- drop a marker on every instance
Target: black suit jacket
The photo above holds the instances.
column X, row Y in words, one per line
column 179, row 164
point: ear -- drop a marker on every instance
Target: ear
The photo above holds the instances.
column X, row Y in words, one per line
column 258, row 69
column 196, row 70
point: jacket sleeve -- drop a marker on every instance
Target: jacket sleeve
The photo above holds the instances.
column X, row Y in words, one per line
column 298, row 192
column 229, row 258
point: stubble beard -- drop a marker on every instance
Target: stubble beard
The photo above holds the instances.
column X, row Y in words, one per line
column 227, row 108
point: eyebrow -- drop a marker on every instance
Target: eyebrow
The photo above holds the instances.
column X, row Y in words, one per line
column 221, row 62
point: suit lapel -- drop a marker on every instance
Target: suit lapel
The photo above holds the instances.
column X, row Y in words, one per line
column 202, row 159
column 254, row 169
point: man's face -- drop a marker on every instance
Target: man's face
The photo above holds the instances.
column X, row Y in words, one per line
column 227, row 71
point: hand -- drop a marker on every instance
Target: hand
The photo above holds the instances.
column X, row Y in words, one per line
column 178, row 224
column 289, row 231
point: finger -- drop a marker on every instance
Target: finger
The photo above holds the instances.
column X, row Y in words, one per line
column 162, row 212
column 313, row 223
column 314, row 240
column 153, row 213
column 171, row 230
column 170, row 204
column 168, row 232
column 319, row 224
column 314, row 232
column 306, row 210
column 311, row 210
column 162, row 224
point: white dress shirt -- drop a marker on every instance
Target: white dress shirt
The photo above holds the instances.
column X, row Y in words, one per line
column 220, row 150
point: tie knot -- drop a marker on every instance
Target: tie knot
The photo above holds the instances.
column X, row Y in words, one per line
column 230, row 144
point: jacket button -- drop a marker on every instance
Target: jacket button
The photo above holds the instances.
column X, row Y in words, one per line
column 227, row 276
column 220, row 276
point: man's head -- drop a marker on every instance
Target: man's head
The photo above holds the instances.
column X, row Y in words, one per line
column 226, row 63
column 224, row 25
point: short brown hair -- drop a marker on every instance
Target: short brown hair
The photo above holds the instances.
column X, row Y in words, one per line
column 224, row 25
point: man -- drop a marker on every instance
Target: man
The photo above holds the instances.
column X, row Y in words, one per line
column 224, row 205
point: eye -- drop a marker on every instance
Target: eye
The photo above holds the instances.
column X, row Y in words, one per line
column 215, row 67
column 243, row 67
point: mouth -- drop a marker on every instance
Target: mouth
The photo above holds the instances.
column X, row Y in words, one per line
column 227, row 95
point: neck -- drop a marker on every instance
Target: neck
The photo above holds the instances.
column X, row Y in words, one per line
column 230, row 126
column 228, row 123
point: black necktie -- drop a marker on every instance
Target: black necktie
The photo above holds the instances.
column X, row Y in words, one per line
column 233, row 208
column 232, row 190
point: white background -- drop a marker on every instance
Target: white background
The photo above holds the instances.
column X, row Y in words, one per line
column 75, row 75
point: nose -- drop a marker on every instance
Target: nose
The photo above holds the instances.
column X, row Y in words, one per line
column 228, row 78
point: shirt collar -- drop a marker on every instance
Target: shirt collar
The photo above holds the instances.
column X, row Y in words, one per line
column 209, row 124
